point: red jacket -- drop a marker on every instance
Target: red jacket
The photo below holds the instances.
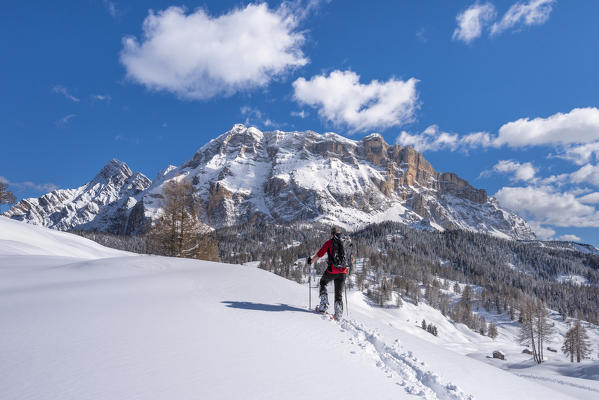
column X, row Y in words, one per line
column 327, row 248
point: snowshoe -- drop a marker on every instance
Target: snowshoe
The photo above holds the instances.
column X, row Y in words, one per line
column 338, row 310
column 324, row 304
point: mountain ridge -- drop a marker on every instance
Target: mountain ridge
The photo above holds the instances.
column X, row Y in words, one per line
column 246, row 175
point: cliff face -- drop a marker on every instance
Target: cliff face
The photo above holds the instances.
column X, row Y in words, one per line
column 246, row 175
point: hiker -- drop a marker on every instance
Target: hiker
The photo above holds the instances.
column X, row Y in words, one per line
column 334, row 250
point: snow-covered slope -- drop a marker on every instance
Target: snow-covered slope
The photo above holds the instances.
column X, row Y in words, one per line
column 146, row 327
column 107, row 203
column 247, row 175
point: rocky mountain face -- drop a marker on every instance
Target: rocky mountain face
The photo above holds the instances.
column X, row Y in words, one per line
column 246, row 175
column 109, row 203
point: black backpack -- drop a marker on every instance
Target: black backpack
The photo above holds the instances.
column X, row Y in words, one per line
column 341, row 252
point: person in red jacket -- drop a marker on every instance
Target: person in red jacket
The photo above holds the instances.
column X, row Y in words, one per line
column 332, row 273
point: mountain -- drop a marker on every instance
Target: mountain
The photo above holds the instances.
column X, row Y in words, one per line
column 246, row 175
column 109, row 202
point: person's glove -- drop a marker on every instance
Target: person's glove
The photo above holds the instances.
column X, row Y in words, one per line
column 309, row 260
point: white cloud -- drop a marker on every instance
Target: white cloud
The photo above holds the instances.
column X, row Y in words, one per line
column 341, row 99
column 535, row 12
column 581, row 125
column 478, row 139
column 472, row 21
column 434, row 139
column 580, row 154
column 542, row 232
column 569, row 238
column 301, row 114
column 575, row 134
column 253, row 116
column 41, row 187
column 431, row 139
column 111, row 8
column 545, row 206
column 64, row 91
column 65, row 120
column 522, row 172
column 102, row 97
column 591, row 198
column 587, row 174
column 198, row 56
column 301, row 9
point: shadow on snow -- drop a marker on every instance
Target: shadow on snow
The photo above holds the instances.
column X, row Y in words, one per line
column 247, row 305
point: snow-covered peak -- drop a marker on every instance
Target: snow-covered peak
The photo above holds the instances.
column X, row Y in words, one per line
column 373, row 136
column 114, row 169
column 247, row 175
column 165, row 172
column 106, row 203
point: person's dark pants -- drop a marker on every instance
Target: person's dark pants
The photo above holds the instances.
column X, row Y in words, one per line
column 339, row 280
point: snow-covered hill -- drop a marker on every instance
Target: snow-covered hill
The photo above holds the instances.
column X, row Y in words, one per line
column 246, row 175
column 79, row 322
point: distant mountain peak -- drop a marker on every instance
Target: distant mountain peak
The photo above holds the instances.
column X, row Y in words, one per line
column 114, row 169
column 105, row 203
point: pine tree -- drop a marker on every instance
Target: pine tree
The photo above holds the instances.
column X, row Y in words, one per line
column 456, row 288
column 423, row 325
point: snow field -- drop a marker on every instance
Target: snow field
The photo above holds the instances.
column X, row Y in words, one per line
column 112, row 325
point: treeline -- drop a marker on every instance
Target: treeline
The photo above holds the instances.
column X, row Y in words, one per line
column 399, row 257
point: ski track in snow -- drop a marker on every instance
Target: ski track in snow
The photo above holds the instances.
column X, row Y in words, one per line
column 558, row 381
column 392, row 360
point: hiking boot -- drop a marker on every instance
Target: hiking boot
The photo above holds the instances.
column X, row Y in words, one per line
column 324, row 303
column 338, row 310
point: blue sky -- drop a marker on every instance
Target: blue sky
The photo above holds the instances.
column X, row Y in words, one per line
column 504, row 93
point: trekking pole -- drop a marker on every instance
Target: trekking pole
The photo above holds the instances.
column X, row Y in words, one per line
column 310, row 288
column 346, row 306
column 310, row 291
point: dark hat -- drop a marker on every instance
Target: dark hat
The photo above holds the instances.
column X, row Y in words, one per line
column 335, row 231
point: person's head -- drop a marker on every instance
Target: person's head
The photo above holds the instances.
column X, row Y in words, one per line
column 335, row 231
